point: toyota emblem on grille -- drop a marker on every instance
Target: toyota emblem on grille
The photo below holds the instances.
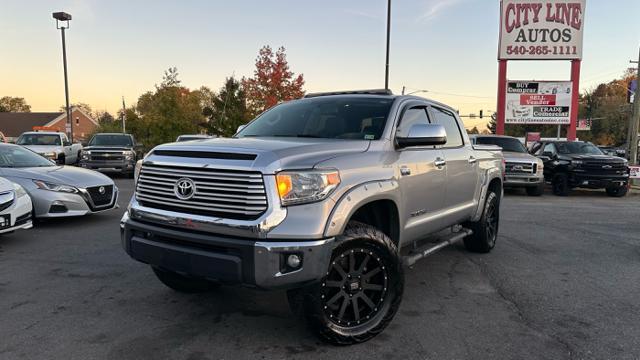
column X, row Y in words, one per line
column 184, row 189
column 102, row 190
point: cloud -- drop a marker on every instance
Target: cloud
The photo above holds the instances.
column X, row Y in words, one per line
column 435, row 7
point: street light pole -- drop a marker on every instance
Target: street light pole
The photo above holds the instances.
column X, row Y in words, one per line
column 386, row 67
column 633, row 126
column 62, row 16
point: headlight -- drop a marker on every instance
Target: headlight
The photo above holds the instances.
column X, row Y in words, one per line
column 128, row 155
column 50, row 155
column 55, row 187
column 20, row 191
column 85, row 154
column 299, row 187
column 576, row 162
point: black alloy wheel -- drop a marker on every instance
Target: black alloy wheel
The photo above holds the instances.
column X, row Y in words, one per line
column 354, row 288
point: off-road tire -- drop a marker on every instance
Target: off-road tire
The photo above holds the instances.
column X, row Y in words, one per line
column 560, row 185
column 317, row 303
column 536, row 190
column 182, row 283
column 617, row 191
column 485, row 230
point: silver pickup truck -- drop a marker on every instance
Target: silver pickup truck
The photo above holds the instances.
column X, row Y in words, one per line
column 522, row 170
column 329, row 197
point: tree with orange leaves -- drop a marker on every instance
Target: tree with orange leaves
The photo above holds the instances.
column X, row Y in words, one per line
column 272, row 81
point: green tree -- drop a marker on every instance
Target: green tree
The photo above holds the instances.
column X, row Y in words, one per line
column 272, row 81
column 161, row 115
column 14, row 104
column 228, row 109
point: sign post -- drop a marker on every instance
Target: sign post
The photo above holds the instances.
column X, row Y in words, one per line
column 540, row 30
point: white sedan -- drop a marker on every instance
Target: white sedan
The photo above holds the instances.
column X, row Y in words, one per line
column 15, row 207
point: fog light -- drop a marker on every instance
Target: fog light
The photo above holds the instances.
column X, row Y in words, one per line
column 293, row 261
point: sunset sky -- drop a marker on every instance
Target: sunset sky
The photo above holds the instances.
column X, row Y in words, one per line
column 121, row 48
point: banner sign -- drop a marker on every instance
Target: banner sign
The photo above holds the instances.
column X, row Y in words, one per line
column 634, row 172
column 538, row 102
column 541, row 30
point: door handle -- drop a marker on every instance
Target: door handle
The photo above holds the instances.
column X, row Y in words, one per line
column 472, row 160
column 440, row 162
column 404, row 171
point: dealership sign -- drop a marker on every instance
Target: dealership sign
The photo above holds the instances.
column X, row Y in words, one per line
column 541, row 30
column 538, row 102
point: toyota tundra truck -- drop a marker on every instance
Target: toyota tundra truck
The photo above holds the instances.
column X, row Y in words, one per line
column 329, row 197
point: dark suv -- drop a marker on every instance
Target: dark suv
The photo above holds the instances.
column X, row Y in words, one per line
column 571, row 164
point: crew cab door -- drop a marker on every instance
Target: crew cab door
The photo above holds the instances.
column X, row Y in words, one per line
column 422, row 182
column 66, row 147
column 461, row 168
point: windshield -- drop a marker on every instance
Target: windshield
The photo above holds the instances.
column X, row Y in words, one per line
column 324, row 117
column 111, row 140
column 507, row 144
column 38, row 139
column 19, row 157
column 578, row 147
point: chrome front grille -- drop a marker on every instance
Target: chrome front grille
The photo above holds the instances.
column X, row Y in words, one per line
column 221, row 193
column 516, row 168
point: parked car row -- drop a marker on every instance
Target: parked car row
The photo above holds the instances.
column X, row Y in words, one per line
column 32, row 186
column 563, row 164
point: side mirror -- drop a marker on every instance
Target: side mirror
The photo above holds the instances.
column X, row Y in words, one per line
column 139, row 146
column 84, row 144
column 548, row 154
column 66, row 143
column 423, row 135
column 240, row 128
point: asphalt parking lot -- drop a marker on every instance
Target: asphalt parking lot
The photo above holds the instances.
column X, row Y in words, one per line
column 562, row 283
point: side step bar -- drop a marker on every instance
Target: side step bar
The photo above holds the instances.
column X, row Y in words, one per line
column 429, row 249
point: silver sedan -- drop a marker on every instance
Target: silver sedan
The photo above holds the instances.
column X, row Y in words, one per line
column 57, row 191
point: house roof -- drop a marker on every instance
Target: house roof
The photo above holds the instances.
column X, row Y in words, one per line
column 12, row 124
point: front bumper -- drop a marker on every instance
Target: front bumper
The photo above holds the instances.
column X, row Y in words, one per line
column 523, row 180
column 53, row 204
column 226, row 259
column 119, row 166
column 20, row 215
column 593, row 181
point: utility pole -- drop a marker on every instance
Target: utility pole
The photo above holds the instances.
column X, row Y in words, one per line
column 386, row 67
column 633, row 126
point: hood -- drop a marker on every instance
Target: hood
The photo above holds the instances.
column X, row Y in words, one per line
column 5, row 185
column 107, row 148
column 599, row 158
column 67, row 175
column 41, row 149
column 518, row 156
column 268, row 154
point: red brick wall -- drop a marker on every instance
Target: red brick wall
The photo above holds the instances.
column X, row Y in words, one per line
column 82, row 126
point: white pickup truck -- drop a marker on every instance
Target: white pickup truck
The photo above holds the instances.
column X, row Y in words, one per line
column 52, row 145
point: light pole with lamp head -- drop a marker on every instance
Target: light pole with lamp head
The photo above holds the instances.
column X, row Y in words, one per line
column 64, row 17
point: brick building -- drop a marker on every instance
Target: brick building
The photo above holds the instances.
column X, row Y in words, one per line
column 12, row 124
